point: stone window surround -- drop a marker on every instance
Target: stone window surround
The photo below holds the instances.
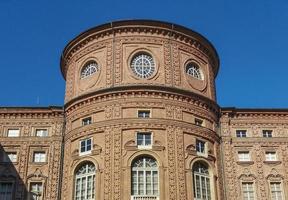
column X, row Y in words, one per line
column 10, row 149
column 38, row 149
column 6, row 128
column 48, row 128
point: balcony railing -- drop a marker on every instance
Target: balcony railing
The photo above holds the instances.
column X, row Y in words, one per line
column 146, row 197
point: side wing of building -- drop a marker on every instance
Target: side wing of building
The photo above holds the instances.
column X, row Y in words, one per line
column 30, row 152
column 255, row 153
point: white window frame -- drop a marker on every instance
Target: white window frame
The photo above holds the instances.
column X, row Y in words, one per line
column 270, row 156
column 145, row 116
column 7, row 192
column 145, row 144
column 154, row 180
column 85, row 152
column 245, row 189
column 82, row 180
column 39, row 157
column 86, row 121
column 13, row 132
column 38, row 193
column 267, row 133
column 200, row 177
column 242, row 133
column 201, row 150
column 10, row 156
column 273, row 189
column 244, row 156
column 41, row 130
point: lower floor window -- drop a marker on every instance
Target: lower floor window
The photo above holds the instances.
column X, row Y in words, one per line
column 201, row 177
column 85, row 182
column 276, row 192
column 248, row 191
column 6, row 190
column 145, row 178
column 36, row 190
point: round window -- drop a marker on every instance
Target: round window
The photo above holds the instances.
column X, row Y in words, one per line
column 194, row 70
column 143, row 65
column 89, row 68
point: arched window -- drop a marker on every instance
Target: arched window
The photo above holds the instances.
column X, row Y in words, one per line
column 145, row 180
column 194, row 70
column 143, row 65
column 201, row 177
column 89, row 68
column 85, row 182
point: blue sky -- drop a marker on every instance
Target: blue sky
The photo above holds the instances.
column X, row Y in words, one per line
column 250, row 37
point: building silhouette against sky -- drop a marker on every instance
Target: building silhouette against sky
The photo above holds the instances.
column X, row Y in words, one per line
column 141, row 122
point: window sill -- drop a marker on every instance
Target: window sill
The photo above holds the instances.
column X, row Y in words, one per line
column 144, row 146
column 245, row 163
column 39, row 163
column 274, row 162
column 85, row 153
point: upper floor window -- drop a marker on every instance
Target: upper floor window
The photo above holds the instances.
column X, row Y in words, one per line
column 39, row 157
column 194, row 70
column 10, row 157
column 248, row 191
column 267, row 133
column 270, row 156
column 241, row 133
column 144, row 139
column 36, row 190
column 89, row 68
column 86, row 121
column 13, row 133
column 143, row 65
column 85, row 146
column 243, row 156
column 41, row 132
column 145, row 180
column 276, row 191
column 6, row 190
column 85, row 182
column 201, row 181
column 200, row 146
column 198, row 122
column 143, row 113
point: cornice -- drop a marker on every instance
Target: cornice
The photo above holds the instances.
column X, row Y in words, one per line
column 143, row 90
column 124, row 124
column 165, row 29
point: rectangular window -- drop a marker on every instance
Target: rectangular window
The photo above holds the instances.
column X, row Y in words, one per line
column 143, row 113
column 198, row 122
column 86, row 121
column 10, row 157
column 276, row 191
column 267, row 133
column 39, row 157
column 248, row 191
column 243, row 156
column 6, row 190
column 270, row 156
column 144, row 139
column 241, row 133
column 200, row 146
column 85, row 146
column 36, row 190
column 13, row 133
column 41, row 133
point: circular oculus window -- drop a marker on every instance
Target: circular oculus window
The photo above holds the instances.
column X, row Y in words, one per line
column 194, row 70
column 90, row 67
column 143, row 65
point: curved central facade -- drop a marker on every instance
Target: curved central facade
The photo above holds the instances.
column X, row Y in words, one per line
column 141, row 114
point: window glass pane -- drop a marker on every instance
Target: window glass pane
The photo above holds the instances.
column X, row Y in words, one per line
column 13, row 132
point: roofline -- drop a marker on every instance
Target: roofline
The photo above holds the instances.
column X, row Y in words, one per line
column 31, row 109
column 235, row 109
column 148, row 22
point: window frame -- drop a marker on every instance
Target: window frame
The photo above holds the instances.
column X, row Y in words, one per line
column 11, row 129
column 41, row 129
column 198, row 148
column 7, row 159
column 241, row 133
column 243, row 159
column 39, row 152
column 144, row 146
column 267, row 133
column 268, row 155
column 86, row 65
column 144, row 110
column 12, row 187
column 86, row 152
column 32, row 193
column 254, row 197
column 198, row 122
column 197, row 177
column 84, row 123
column 281, row 190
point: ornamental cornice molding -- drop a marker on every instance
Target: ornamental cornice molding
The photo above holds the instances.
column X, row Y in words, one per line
column 135, row 28
column 264, row 142
column 24, row 114
column 268, row 114
column 151, row 91
column 8, row 141
column 124, row 124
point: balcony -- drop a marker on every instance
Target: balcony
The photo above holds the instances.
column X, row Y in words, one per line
column 144, row 197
